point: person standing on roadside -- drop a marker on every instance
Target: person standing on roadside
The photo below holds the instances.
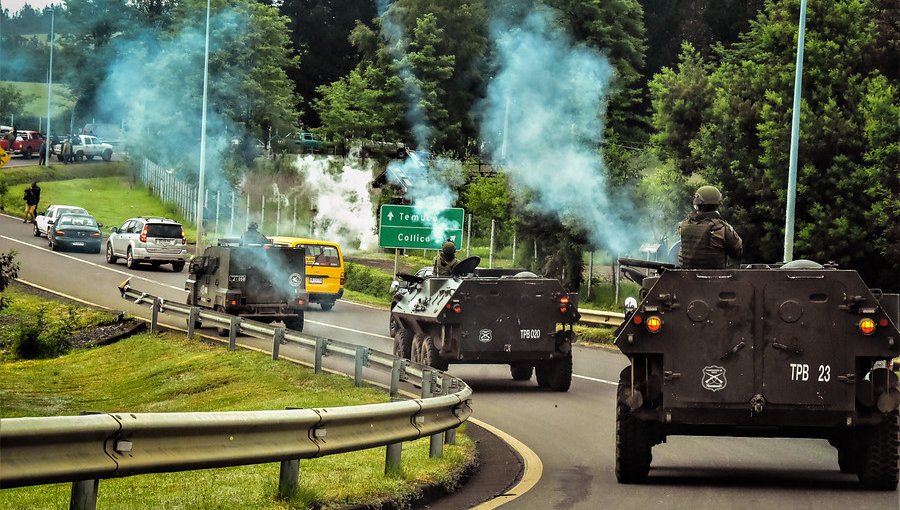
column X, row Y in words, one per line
column 66, row 150
column 43, row 153
column 36, row 193
column 30, row 206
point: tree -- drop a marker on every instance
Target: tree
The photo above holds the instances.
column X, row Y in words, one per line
column 12, row 102
column 9, row 269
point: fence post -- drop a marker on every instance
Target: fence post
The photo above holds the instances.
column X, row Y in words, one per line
column 362, row 358
column 192, row 320
column 217, row 213
column 262, row 214
column 320, row 352
column 277, row 339
column 436, row 441
column 154, row 316
column 288, row 477
column 84, row 495
column 468, row 236
column 449, row 434
column 231, row 226
column 395, row 376
column 278, row 218
column 491, row 252
column 232, row 332
column 294, row 223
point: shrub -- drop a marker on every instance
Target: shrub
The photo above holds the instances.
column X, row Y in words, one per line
column 368, row 280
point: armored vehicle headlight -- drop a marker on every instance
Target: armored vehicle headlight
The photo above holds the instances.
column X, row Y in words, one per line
column 654, row 324
column 867, row 326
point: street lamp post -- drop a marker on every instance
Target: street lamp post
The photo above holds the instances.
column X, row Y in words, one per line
column 200, row 189
column 795, row 140
column 49, row 88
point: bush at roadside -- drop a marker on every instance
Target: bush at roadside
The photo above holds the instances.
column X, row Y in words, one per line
column 368, row 280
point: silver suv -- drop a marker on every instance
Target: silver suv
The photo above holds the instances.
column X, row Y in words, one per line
column 155, row 241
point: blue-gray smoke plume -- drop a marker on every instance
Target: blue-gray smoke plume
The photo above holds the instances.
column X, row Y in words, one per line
column 543, row 117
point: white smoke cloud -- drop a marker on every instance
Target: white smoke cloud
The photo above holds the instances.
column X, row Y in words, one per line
column 548, row 98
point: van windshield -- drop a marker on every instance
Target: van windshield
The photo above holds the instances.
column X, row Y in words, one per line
column 321, row 255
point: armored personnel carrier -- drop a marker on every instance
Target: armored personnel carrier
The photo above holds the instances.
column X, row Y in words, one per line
column 793, row 350
column 505, row 316
column 263, row 283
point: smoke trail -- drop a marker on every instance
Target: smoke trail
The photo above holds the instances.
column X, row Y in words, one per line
column 543, row 112
column 344, row 210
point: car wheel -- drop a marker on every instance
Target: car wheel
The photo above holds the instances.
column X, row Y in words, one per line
column 109, row 254
column 327, row 305
column 107, row 155
column 27, row 153
column 178, row 266
column 90, row 157
column 36, row 231
column 79, row 156
column 129, row 260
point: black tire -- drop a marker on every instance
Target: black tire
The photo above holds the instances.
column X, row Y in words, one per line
column 110, row 258
column 35, row 232
column 107, row 155
column 521, row 371
column 559, row 376
column 431, row 356
column 392, row 326
column 542, row 374
column 879, row 469
column 633, row 447
column 27, row 154
column 849, row 459
column 403, row 343
column 79, row 156
column 327, row 305
column 52, row 246
column 296, row 323
column 416, row 351
column 223, row 332
column 178, row 266
column 90, row 157
column 129, row 260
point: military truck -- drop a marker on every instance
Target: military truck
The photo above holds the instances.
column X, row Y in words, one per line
column 506, row 316
column 263, row 283
column 792, row 350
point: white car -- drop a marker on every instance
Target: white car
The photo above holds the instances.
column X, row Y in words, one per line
column 86, row 147
column 44, row 220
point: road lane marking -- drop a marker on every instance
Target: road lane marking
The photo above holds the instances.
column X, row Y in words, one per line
column 376, row 335
column 124, row 273
column 604, row 381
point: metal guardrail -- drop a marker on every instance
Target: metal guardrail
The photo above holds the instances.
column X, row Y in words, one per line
column 84, row 449
column 599, row 317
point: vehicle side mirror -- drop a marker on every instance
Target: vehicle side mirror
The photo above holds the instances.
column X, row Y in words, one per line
column 50, row 222
column 114, row 230
column 99, row 225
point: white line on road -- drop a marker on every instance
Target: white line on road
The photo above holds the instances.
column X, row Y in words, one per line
column 604, row 381
column 93, row 264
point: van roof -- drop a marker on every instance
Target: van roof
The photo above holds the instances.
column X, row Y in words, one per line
column 301, row 240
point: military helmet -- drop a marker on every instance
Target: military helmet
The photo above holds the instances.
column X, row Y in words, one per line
column 707, row 195
column 252, row 226
column 449, row 249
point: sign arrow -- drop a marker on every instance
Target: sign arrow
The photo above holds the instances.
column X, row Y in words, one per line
column 390, row 216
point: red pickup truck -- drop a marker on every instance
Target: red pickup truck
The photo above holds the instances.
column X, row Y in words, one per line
column 27, row 143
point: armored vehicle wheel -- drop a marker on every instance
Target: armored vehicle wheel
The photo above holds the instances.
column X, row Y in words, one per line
column 416, row 354
column 178, row 266
column 542, row 374
column 559, row 374
column 431, row 357
column 633, row 446
column 220, row 330
column 879, row 469
column 403, row 343
column 392, row 328
column 296, row 323
column 327, row 305
column 521, row 371
column 849, row 459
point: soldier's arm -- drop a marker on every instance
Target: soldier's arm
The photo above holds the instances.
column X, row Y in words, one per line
column 734, row 246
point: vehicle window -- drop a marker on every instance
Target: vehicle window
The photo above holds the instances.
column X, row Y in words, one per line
column 125, row 227
column 81, row 221
column 169, row 230
column 136, row 227
column 321, row 255
column 71, row 210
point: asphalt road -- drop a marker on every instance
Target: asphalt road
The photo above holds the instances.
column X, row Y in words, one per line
column 572, row 434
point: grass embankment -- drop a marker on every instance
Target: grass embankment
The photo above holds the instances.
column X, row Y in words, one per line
column 111, row 200
column 169, row 373
column 35, row 95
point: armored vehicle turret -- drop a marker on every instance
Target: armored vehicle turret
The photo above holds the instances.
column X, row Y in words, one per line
column 263, row 283
column 793, row 350
column 505, row 316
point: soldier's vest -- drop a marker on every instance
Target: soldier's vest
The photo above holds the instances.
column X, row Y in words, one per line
column 698, row 246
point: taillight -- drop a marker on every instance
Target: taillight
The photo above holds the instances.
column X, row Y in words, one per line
column 883, row 322
column 342, row 278
column 637, row 319
column 563, row 304
column 454, row 306
column 233, row 302
column 183, row 240
column 144, row 233
column 61, row 233
column 299, row 301
column 654, row 324
column 95, row 234
column 867, row 326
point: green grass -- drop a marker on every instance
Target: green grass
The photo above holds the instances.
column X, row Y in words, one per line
column 59, row 172
column 63, row 100
column 169, row 373
column 111, row 200
column 594, row 336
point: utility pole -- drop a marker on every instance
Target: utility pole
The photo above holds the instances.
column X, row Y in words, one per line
column 795, row 140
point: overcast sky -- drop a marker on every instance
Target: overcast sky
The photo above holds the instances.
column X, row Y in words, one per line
column 14, row 6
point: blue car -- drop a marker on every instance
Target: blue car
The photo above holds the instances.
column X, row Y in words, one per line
column 74, row 232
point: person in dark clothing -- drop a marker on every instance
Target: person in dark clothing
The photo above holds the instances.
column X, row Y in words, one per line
column 36, row 191
column 445, row 261
column 707, row 240
column 253, row 236
column 42, row 152
column 30, row 205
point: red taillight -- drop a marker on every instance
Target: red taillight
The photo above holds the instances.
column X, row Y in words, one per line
column 457, row 308
column 144, row 233
column 299, row 301
column 183, row 240
column 883, row 322
column 654, row 324
column 637, row 319
column 95, row 234
column 563, row 304
column 60, row 233
column 233, row 302
column 342, row 278
column 564, row 300
column 867, row 326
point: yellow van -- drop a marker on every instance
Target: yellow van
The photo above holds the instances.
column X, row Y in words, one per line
column 324, row 268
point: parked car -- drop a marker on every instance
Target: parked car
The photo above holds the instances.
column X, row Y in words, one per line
column 86, row 147
column 27, row 143
column 75, row 231
column 46, row 219
column 155, row 241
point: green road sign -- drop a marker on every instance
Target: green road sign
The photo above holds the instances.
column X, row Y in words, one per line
column 404, row 227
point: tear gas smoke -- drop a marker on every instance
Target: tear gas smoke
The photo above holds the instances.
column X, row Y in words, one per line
column 549, row 96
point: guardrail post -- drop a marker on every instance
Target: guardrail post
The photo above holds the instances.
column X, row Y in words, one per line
column 277, row 338
column 232, row 332
column 450, row 434
column 362, row 358
column 436, row 442
column 192, row 320
column 154, row 316
column 320, row 352
column 393, row 453
column 84, row 495
column 395, row 377
column 427, row 379
column 288, row 478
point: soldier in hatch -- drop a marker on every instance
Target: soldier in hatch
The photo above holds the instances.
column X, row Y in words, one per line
column 707, row 240
column 253, row 236
column 445, row 261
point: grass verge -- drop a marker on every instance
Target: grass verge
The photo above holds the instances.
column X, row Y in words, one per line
column 169, row 373
column 111, row 200
column 59, row 172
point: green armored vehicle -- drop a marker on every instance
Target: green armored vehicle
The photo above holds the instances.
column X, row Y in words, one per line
column 262, row 283
column 505, row 316
column 794, row 350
